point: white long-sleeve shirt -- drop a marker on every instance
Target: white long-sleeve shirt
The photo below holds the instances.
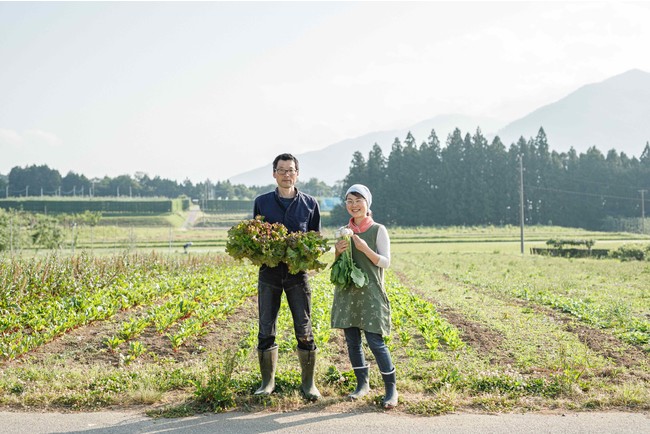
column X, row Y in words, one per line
column 383, row 247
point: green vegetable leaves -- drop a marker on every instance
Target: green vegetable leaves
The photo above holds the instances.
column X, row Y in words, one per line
column 339, row 272
column 359, row 277
column 269, row 244
column 257, row 240
column 344, row 271
column 303, row 251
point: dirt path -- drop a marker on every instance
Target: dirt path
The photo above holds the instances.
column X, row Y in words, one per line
column 192, row 216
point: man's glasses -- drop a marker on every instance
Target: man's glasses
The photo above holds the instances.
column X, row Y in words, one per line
column 350, row 202
column 283, row 172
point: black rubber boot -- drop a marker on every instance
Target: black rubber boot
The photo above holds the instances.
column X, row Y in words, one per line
column 363, row 386
column 308, row 364
column 390, row 398
column 268, row 362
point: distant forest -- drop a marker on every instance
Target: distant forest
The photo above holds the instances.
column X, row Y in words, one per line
column 467, row 182
column 473, row 182
column 36, row 181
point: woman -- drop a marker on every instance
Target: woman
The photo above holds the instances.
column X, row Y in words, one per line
column 367, row 308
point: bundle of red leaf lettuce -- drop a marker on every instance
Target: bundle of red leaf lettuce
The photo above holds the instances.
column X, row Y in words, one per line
column 271, row 243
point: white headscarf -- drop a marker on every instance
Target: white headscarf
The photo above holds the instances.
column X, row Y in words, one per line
column 363, row 191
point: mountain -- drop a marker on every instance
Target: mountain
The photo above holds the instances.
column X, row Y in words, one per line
column 612, row 114
column 332, row 163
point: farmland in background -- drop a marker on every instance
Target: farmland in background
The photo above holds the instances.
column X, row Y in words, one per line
column 476, row 325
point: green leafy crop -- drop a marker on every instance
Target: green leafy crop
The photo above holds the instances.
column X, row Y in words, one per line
column 269, row 244
column 303, row 251
column 344, row 271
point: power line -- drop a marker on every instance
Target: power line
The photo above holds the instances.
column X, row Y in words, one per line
column 580, row 193
column 606, row 184
column 575, row 180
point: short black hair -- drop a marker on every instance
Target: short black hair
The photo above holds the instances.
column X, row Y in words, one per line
column 285, row 157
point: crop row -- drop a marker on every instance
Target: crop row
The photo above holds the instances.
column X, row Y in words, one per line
column 194, row 302
column 47, row 298
column 412, row 317
column 612, row 297
column 616, row 317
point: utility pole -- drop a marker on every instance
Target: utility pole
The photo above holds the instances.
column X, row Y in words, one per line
column 521, row 201
column 11, row 233
column 642, row 211
column 74, row 226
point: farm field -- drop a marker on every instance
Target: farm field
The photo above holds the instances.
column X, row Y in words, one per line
column 476, row 326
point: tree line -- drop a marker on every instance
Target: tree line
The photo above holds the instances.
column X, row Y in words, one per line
column 471, row 181
column 41, row 180
column 468, row 181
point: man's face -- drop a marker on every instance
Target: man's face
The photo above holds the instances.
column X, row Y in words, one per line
column 285, row 173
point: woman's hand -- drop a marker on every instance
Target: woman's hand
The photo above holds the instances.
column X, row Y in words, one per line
column 341, row 246
column 364, row 248
column 360, row 244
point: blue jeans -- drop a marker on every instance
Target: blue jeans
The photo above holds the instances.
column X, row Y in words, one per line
column 272, row 282
column 376, row 344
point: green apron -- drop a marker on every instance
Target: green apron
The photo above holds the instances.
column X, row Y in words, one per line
column 366, row 308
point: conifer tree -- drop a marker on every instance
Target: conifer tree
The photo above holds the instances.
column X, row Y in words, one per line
column 376, row 176
column 500, row 188
column 395, row 189
column 452, row 185
column 430, row 175
column 411, row 183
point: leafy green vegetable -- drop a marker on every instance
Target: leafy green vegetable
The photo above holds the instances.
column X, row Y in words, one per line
column 259, row 241
column 344, row 272
column 358, row 276
column 303, row 251
column 269, row 244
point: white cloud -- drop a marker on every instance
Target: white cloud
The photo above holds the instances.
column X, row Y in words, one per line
column 10, row 138
column 28, row 138
column 43, row 138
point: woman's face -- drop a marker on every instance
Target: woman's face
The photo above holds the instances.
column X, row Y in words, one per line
column 357, row 206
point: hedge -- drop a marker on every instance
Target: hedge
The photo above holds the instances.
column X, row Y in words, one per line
column 105, row 206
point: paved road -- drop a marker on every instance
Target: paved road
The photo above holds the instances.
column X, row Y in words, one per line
column 310, row 422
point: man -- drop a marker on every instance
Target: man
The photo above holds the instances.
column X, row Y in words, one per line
column 298, row 212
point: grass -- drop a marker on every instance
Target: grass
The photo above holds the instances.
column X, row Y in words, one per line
column 476, row 326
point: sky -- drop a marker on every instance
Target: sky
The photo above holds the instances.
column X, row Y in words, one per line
column 208, row 90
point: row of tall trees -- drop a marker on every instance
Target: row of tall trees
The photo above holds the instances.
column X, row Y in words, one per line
column 44, row 181
column 471, row 181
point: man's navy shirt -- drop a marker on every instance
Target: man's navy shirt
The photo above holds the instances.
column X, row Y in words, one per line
column 302, row 214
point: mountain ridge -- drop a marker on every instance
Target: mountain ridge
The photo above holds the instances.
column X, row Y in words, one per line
column 331, row 163
column 619, row 106
column 611, row 114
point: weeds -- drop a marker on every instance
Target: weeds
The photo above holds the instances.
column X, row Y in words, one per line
column 217, row 392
